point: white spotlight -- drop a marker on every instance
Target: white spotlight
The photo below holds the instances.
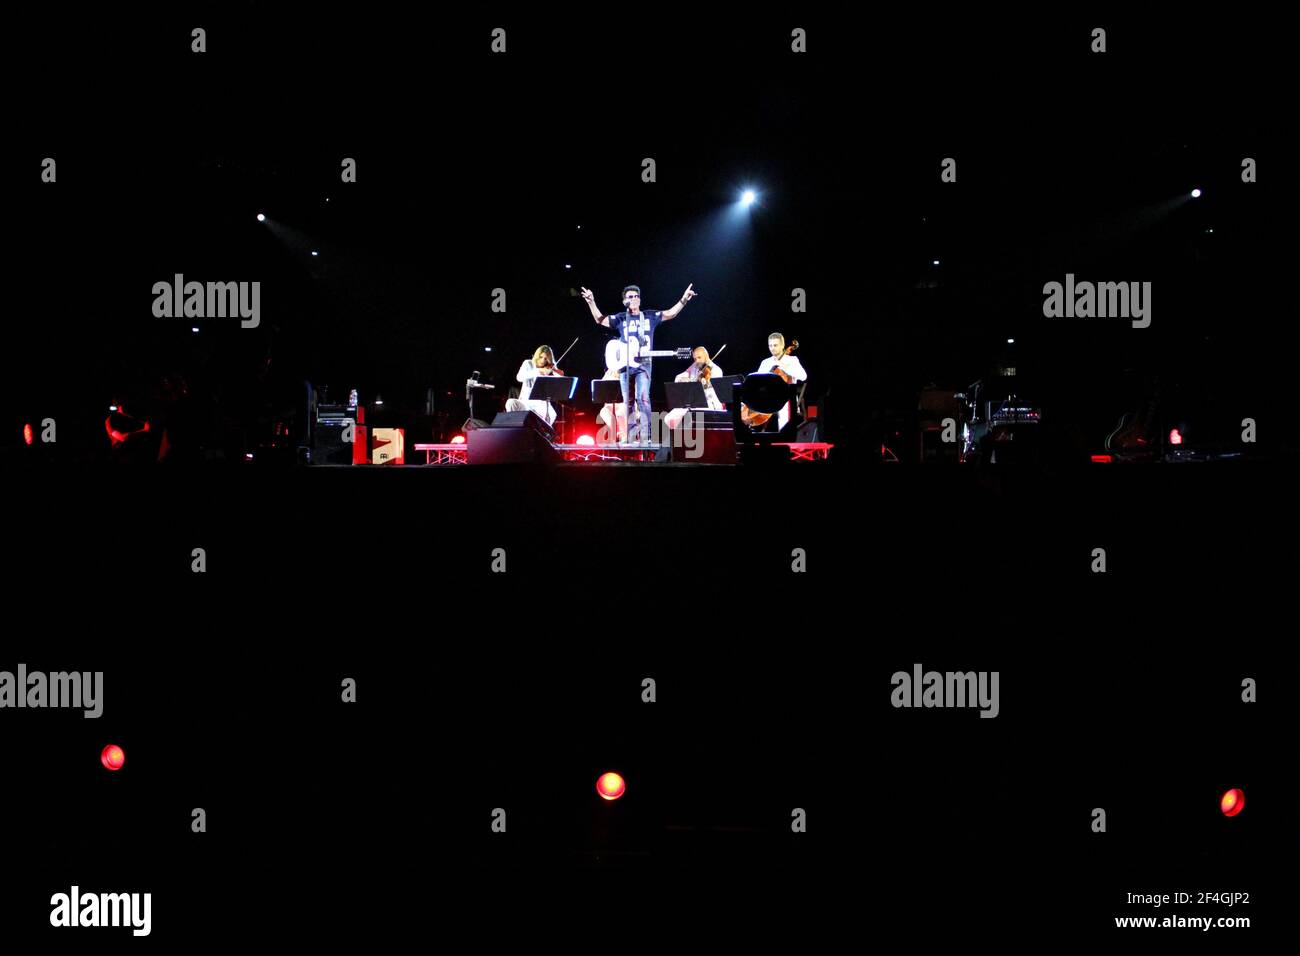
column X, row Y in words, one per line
column 315, row 253
column 1196, row 194
column 749, row 197
column 261, row 218
column 1011, row 341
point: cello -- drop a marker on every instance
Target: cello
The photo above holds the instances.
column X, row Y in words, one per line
column 759, row 419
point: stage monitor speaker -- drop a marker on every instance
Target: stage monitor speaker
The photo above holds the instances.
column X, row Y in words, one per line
column 714, row 446
column 809, row 431
column 506, row 446
column 524, row 419
column 712, row 432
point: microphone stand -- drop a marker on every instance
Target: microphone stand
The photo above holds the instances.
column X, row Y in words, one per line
column 470, row 384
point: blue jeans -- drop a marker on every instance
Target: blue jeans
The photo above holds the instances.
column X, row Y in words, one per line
column 642, row 376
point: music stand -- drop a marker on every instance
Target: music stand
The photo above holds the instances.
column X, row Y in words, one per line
column 608, row 391
column 763, row 392
column 724, row 386
column 686, row 395
column 554, row 388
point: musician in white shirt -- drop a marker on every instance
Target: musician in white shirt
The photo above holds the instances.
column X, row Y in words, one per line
column 696, row 374
column 542, row 363
column 788, row 364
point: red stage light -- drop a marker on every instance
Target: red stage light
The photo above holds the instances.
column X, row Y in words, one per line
column 1232, row 803
column 586, row 440
column 1101, row 459
column 610, row 786
column 112, row 757
column 458, row 440
column 1175, row 437
column 27, row 434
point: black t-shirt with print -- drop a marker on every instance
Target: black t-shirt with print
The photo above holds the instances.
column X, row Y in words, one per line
column 640, row 327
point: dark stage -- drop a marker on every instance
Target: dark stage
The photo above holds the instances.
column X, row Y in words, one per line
column 1175, row 536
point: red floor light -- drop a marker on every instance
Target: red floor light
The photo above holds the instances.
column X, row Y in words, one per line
column 610, row 786
column 1232, row 803
column 112, row 757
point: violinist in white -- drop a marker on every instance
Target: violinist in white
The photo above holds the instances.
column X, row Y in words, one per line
column 702, row 371
column 542, row 363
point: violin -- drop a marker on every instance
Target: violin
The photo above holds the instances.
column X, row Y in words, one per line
column 553, row 364
column 706, row 373
column 759, row 419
